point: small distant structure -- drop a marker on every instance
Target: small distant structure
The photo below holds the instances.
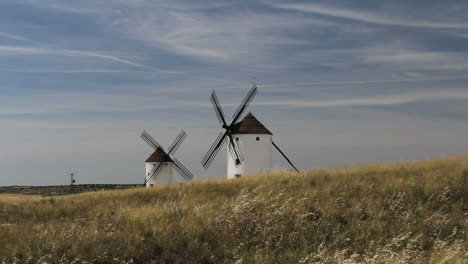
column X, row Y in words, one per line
column 249, row 141
column 159, row 164
column 72, row 178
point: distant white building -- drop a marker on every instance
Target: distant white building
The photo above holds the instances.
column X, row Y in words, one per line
column 165, row 174
column 160, row 164
column 255, row 144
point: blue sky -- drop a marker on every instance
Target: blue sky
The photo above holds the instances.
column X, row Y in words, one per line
column 340, row 82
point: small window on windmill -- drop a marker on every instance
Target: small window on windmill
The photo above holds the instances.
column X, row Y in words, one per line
column 237, row 138
column 237, row 175
column 154, row 164
column 258, row 138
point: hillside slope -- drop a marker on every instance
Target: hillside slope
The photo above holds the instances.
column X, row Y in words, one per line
column 411, row 212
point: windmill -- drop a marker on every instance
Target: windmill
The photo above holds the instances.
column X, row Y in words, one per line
column 160, row 164
column 249, row 141
column 72, row 178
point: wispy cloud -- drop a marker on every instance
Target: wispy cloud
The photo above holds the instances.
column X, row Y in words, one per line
column 374, row 18
column 323, row 69
column 364, row 81
column 106, row 57
column 15, row 37
column 82, row 7
column 45, row 70
column 406, row 58
column 76, row 102
column 20, row 50
column 233, row 37
column 373, row 100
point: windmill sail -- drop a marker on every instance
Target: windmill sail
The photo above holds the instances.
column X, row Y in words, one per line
column 150, row 141
column 233, row 147
column 218, row 110
column 213, row 151
column 245, row 103
column 184, row 172
column 284, row 155
column 177, row 142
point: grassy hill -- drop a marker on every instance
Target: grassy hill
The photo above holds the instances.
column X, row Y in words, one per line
column 414, row 212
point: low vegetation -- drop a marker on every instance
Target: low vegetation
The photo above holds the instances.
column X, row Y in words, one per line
column 64, row 189
column 413, row 212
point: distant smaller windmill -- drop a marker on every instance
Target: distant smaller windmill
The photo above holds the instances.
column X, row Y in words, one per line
column 72, row 178
column 160, row 164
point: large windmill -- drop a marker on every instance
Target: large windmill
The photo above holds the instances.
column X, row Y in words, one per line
column 160, row 164
column 249, row 141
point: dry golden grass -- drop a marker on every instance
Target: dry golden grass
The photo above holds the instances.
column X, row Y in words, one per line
column 17, row 198
column 412, row 212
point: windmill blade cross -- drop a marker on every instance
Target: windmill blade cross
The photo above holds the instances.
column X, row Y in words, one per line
column 214, row 149
column 284, row 155
column 217, row 108
column 183, row 171
column 232, row 146
column 213, row 146
column 177, row 142
column 154, row 171
column 150, row 141
column 245, row 103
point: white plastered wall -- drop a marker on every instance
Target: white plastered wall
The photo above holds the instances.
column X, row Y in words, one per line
column 257, row 155
column 164, row 176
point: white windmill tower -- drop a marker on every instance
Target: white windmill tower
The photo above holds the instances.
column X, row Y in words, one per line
column 249, row 141
column 160, row 164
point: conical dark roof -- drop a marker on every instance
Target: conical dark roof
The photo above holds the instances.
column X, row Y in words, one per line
column 250, row 125
column 159, row 156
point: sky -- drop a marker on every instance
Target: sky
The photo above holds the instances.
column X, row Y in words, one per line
column 340, row 82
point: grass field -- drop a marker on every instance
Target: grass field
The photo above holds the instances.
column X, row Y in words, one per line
column 414, row 212
column 14, row 198
column 57, row 190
